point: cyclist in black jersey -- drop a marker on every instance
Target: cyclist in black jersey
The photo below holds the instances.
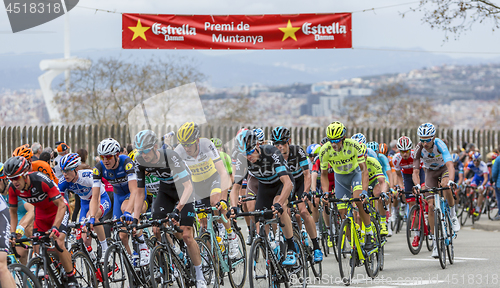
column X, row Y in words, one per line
column 266, row 163
column 298, row 165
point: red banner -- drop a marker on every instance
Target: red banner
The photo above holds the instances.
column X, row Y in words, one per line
column 300, row 31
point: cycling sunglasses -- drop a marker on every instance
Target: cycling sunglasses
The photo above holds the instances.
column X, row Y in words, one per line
column 188, row 144
column 280, row 142
column 107, row 157
column 15, row 178
column 145, row 151
column 426, row 140
column 68, row 170
column 251, row 151
column 336, row 140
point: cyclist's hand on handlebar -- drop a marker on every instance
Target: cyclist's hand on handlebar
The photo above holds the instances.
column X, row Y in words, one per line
column 364, row 196
column 127, row 217
column 451, row 183
column 416, row 188
column 174, row 216
column 54, row 232
column 277, row 208
column 221, row 205
column 232, row 212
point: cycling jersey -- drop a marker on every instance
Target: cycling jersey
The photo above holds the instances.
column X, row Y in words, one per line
column 344, row 161
column 404, row 165
column 478, row 172
column 331, row 176
column 83, row 185
column 41, row 193
column 459, row 169
column 267, row 169
column 44, row 167
column 297, row 161
column 152, row 184
column 382, row 159
column 4, row 225
column 203, row 165
column 118, row 177
column 432, row 160
column 21, row 210
column 374, row 169
column 226, row 159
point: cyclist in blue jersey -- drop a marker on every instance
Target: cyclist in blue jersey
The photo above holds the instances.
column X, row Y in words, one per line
column 80, row 182
column 459, row 169
column 480, row 179
column 373, row 149
column 119, row 171
column 26, row 214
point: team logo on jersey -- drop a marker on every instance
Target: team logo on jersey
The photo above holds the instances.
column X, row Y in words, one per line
column 128, row 166
column 96, row 171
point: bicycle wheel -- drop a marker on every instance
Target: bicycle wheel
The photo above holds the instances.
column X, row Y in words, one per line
column 238, row 266
column 334, row 230
column 372, row 261
column 209, row 268
column 259, row 271
column 414, row 226
column 323, row 231
column 317, row 268
column 23, row 277
column 428, row 242
column 299, row 273
column 347, row 253
column 116, row 268
column 166, row 270
column 492, row 208
column 465, row 211
column 475, row 202
column 449, row 248
column 438, row 233
column 85, row 270
column 36, row 267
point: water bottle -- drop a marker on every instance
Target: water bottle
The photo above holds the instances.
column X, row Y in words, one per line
column 91, row 254
column 135, row 259
column 221, row 244
column 178, row 252
column 306, row 239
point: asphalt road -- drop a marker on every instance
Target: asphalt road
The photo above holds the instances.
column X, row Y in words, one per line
column 476, row 264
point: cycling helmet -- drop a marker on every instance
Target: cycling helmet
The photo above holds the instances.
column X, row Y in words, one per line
column 246, row 141
column 404, row 143
column 324, row 140
column 383, row 149
column 108, row 146
column 372, row 145
column 2, row 175
column 260, row 134
column 23, row 151
column 241, row 130
column 132, row 154
column 426, row 130
column 16, row 165
column 188, row 132
column 145, row 139
column 454, row 157
column 217, row 142
column 476, row 156
column 316, row 151
column 359, row 137
column 310, row 149
column 70, row 161
column 335, row 130
column 280, row 133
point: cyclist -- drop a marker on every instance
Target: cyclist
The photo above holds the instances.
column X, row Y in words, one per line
column 226, row 159
column 311, row 156
column 6, row 278
column 25, row 214
column 208, row 175
column 459, row 169
column 480, row 179
column 346, row 156
column 38, row 165
column 296, row 160
column 119, row 171
column 152, row 183
column 266, row 164
column 495, row 179
column 437, row 162
column 80, row 182
column 51, row 210
column 174, row 199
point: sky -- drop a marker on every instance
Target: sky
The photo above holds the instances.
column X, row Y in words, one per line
column 374, row 29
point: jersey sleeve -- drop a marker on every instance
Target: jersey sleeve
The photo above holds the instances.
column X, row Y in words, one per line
column 63, row 185
column 97, row 174
column 129, row 169
column 12, row 196
column 304, row 164
column 240, row 165
column 140, row 174
column 279, row 163
column 443, row 149
column 384, row 162
column 316, row 166
column 179, row 168
column 323, row 156
column 213, row 152
column 396, row 160
column 460, row 167
column 360, row 151
column 416, row 156
column 49, row 187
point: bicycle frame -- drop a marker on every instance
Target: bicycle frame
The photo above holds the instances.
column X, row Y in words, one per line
column 420, row 201
column 441, row 204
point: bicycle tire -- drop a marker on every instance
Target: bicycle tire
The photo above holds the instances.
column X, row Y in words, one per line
column 209, row 268
column 302, row 273
column 165, row 269
column 412, row 221
column 23, row 277
column 372, row 261
column 449, row 248
column 347, row 254
column 465, row 211
column 239, row 261
column 113, row 254
column 492, row 209
column 438, row 233
column 316, row 268
column 88, row 276
column 35, row 264
column 476, row 218
column 324, row 239
column 334, row 230
column 259, row 256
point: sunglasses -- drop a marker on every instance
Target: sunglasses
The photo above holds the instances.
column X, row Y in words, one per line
column 15, row 178
column 67, row 170
column 188, row 144
column 404, row 151
column 280, row 143
column 426, row 140
column 251, row 151
column 145, row 151
column 107, row 157
column 336, row 140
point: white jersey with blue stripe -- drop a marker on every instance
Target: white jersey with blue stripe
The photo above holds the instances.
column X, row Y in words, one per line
column 478, row 171
column 83, row 185
column 436, row 158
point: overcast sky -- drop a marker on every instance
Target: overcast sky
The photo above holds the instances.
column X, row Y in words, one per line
column 373, row 29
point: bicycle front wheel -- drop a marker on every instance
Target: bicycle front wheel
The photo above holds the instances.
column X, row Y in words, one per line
column 210, row 270
column 259, row 271
column 85, row 270
column 334, row 231
column 116, row 269
column 373, row 260
column 165, row 269
column 414, row 226
column 23, row 277
column 347, row 253
column 238, row 265
column 449, row 248
column 438, row 234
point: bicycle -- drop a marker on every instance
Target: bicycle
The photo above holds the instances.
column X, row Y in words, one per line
column 224, row 263
column 397, row 225
column 323, row 228
column 417, row 225
column 305, row 240
column 443, row 232
column 335, row 222
column 490, row 203
column 265, row 269
column 49, row 271
column 23, row 277
column 376, row 218
column 469, row 205
column 351, row 253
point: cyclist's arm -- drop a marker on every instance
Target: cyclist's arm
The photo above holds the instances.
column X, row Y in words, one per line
column 460, row 178
column 314, row 176
column 136, row 201
column 383, row 184
column 13, row 218
column 235, row 192
column 61, row 209
column 324, row 181
column 307, row 181
column 224, row 178
column 29, row 217
column 95, row 200
column 188, row 190
column 365, row 177
column 399, row 175
column 451, row 170
column 287, row 189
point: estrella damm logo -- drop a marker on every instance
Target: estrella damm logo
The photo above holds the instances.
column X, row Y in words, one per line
column 96, row 171
column 128, row 166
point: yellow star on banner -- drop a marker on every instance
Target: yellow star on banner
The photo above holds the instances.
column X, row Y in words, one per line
column 139, row 31
column 289, row 31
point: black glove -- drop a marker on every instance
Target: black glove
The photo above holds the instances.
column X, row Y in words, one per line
column 277, row 207
column 175, row 215
column 134, row 224
column 306, row 195
column 233, row 210
column 13, row 235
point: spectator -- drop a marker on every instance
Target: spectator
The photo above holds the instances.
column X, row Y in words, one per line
column 83, row 154
column 37, row 150
column 129, row 148
column 123, row 151
column 495, row 178
column 45, row 156
column 394, row 149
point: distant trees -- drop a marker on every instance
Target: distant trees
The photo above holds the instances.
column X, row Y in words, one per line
column 458, row 16
column 107, row 92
